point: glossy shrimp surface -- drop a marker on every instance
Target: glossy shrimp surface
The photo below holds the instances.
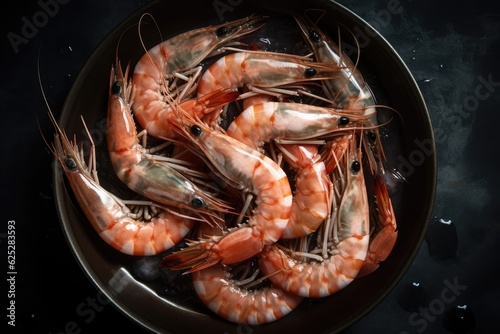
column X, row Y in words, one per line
column 229, row 296
column 217, row 290
column 348, row 249
column 310, row 197
column 312, row 190
column 384, row 234
column 261, row 69
column 110, row 217
column 254, row 173
column 288, row 120
column 178, row 54
column 140, row 171
column 349, row 90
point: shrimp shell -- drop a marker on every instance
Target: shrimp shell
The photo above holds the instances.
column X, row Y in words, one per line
column 253, row 172
column 217, row 290
column 288, row 120
column 142, row 172
column 108, row 215
column 178, row 54
column 262, row 69
column 319, row 279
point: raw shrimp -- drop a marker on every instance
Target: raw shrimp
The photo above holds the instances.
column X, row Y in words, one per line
column 349, row 90
column 109, row 216
column 310, row 198
column 227, row 294
column 340, row 266
column 216, row 288
column 262, row 70
column 251, row 171
column 142, row 172
column 385, row 231
column 168, row 59
column 288, row 120
column 312, row 190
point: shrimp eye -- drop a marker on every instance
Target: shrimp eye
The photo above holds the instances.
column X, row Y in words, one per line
column 313, row 34
column 116, row 89
column 197, row 202
column 310, row 72
column 70, row 163
column 222, row 31
column 196, row 130
column 372, row 136
column 355, row 166
column 343, row 120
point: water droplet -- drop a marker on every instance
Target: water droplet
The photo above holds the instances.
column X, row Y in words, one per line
column 459, row 319
column 412, row 297
column 442, row 240
column 426, row 80
column 65, row 49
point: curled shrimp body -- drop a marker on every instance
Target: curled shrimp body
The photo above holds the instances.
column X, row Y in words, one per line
column 312, row 190
column 251, row 171
column 344, row 260
column 261, row 69
column 310, row 197
column 140, row 171
column 224, row 293
column 217, row 290
column 178, row 54
column 109, row 216
column 288, row 120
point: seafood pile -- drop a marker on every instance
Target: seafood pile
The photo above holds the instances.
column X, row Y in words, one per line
column 261, row 162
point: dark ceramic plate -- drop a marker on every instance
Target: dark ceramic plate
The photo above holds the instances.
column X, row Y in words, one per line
column 150, row 304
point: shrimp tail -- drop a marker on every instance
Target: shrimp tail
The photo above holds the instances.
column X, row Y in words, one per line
column 219, row 97
column 194, row 258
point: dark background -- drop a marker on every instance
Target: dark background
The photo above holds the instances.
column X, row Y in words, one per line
column 451, row 47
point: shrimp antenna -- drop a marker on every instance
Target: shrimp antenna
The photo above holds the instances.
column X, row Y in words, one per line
column 140, row 35
column 321, row 11
column 120, row 39
column 59, row 131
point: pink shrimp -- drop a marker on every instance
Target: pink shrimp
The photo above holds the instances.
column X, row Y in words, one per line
column 385, row 231
column 312, row 190
column 290, row 121
column 180, row 53
column 310, row 198
column 263, row 70
column 228, row 295
column 251, row 171
column 217, row 289
column 142, row 172
column 108, row 215
column 349, row 90
column 341, row 264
